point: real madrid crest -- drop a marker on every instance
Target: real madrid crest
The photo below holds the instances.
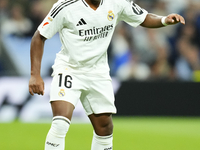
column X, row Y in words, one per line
column 61, row 93
column 111, row 15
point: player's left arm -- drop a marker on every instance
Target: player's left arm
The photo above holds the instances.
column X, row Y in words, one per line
column 155, row 21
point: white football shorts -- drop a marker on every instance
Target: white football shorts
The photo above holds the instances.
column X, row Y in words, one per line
column 95, row 93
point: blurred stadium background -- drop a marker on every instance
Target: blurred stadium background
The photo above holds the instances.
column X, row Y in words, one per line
column 156, row 75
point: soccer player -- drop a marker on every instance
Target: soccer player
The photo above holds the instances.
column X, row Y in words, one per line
column 81, row 70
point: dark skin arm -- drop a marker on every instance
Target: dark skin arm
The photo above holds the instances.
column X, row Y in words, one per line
column 36, row 84
column 154, row 21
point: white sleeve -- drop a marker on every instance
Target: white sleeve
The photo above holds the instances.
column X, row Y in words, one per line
column 53, row 22
column 132, row 14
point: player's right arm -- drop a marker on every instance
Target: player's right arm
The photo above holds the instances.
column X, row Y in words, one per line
column 36, row 84
column 51, row 24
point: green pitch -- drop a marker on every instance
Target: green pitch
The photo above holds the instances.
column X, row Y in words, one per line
column 130, row 133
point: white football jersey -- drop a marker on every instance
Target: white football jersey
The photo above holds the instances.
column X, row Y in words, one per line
column 86, row 33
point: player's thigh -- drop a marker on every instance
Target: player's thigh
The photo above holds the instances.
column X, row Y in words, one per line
column 65, row 93
column 62, row 108
column 102, row 123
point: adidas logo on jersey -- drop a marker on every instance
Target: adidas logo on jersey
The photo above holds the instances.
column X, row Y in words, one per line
column 81, row 22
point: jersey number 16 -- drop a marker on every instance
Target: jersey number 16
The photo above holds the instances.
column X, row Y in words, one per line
column 67, row 80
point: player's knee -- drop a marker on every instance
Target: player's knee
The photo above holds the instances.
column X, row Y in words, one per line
column 105, row 129
column 109, row 128
column 60, row 126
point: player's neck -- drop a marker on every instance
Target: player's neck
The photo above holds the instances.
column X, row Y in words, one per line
column 94, row 4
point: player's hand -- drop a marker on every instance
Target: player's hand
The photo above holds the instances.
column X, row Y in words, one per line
column 36, row 85
column 174, row 19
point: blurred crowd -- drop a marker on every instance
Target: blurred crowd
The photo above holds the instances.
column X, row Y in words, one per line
column 21, row 17
column 171, row 53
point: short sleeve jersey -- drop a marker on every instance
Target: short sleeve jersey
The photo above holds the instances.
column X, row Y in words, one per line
column 86, row 33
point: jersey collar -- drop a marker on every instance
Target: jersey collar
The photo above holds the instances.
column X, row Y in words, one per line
column 84, row 2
